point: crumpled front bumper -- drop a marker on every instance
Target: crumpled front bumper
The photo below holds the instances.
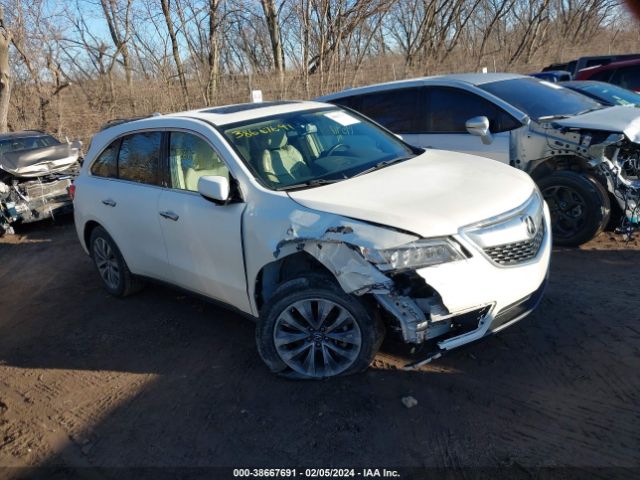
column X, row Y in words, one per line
column 499, row 296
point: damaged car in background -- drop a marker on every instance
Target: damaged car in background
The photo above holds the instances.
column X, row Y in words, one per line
column 36, row 171
column 583, row 156
column 326, row 229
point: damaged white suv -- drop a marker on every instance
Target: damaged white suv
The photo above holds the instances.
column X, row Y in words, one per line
column 326, row 228
column 584, row 157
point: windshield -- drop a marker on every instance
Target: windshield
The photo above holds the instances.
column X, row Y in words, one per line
column 540, row 99
column 609, row 93
column 313, row 147
column 26, row 143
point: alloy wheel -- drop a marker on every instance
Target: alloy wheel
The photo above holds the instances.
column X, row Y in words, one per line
column 107, row 263
column 568, row 210
column 317, row 337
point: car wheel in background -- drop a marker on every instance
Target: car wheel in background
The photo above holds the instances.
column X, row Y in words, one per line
column 115, row 275
column 579, row 206
column 311, row 329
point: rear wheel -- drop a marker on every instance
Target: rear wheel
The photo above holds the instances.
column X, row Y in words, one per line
column 578, row 205
column 115, row 275
column 311, row 329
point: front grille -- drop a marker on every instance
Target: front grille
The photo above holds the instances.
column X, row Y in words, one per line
column 516, row 252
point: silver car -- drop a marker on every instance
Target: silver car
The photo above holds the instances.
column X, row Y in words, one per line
column 581, row 154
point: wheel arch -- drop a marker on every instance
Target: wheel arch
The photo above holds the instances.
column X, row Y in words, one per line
column 89, row 227
column 275, row 273
column 574, row 163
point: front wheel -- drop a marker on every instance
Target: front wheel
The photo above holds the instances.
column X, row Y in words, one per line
column 579, row 207
column 311, row 329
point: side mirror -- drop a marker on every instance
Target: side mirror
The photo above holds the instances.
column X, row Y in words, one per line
column 214, row 188
column 479, row 126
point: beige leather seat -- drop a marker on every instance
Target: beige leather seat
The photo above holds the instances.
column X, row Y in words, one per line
column 281, row 162
column 205, row 163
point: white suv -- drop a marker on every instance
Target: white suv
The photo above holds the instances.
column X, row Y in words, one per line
column 326, row 228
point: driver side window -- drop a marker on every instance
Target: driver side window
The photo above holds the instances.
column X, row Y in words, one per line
column 448, row 110
column 190, row 157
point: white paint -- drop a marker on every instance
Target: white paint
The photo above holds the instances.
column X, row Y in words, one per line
column 219, row 250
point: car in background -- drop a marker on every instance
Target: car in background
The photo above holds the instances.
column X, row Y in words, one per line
column 624, row 74
column 572, row 146
column 605, row 93
column 36, row 171
column 324, row 227
column 574, row 66
column 554, row 76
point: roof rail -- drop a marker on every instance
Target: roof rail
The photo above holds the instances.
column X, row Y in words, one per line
column 119, row 121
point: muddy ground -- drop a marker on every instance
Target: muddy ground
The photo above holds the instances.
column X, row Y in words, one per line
column 166, row 379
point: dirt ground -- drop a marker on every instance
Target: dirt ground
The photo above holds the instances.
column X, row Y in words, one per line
column 165, row 379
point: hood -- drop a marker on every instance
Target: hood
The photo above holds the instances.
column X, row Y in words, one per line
column 36, row 162
column 431, row 195
column 613, row 119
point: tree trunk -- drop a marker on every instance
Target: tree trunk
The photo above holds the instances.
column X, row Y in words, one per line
column 176, row 52
column 5, row 73
column 271, row 17
column 214, row 53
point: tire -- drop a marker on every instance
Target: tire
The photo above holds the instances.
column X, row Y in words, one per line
column 314, row 350
column 607, row 208
column 116, row 277
column 579, row 206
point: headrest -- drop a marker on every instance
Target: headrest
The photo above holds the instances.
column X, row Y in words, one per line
column 277, row 139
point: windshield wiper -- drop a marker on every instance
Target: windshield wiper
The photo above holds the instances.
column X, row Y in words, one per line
column 593, row 109
column 382, row 164
column 316, row 182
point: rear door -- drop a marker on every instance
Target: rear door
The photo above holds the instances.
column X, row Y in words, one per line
column 126, row 194
column 448, row 109
column 203, row 239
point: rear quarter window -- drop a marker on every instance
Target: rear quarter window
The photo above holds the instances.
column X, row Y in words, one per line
column 106, row 164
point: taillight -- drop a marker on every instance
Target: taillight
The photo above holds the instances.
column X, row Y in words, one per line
column 72, row 191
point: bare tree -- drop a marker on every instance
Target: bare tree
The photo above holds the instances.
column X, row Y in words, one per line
column 5, row 72
column 176, row 51
column 214, row 52
column 271, row 14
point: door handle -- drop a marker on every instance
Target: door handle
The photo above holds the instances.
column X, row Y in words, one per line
column 109, row 203
column 170, row 216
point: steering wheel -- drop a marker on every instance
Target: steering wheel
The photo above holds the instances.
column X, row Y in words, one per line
column 334, row 148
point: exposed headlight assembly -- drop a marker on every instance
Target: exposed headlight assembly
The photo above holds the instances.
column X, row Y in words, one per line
column 418, row 254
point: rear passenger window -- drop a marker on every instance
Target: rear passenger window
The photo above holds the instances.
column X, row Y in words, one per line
column 399, row 110
column 450, row 108
column 139, row 158
column 106, row 165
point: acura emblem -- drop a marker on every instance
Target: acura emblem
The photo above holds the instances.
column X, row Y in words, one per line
column 531, row 225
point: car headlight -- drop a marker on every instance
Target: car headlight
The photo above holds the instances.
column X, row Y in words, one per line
column 418, row 254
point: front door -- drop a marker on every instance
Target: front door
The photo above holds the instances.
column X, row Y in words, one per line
column 447, row 112
column 203, row 239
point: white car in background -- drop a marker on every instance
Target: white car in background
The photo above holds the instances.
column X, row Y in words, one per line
column 325, row 228
column 585, row 157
